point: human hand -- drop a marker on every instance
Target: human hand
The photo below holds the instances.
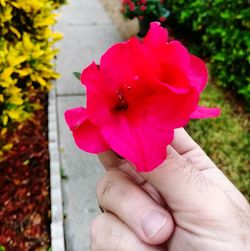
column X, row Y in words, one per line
column 186, row 204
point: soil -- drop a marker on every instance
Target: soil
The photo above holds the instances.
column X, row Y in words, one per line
column 24, row 185
column 125, row 27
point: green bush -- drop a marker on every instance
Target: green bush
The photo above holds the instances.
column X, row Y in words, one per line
column 217, row 30
column 26, row 58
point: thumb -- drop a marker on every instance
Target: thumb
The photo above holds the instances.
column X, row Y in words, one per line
column 179, row 181
column 189, row 179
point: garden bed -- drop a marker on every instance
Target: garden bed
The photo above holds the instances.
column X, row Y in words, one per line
column 24, row 185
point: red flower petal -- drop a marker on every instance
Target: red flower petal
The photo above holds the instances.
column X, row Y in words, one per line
column 170, row 109
column 114, row 66
column 99, row 97
column 156, row 36
column 86, row 135
column 75, row 117
column 140, row 143
column 174, row 53
column 175, row 78
column 169, row 53
column 198, row 73
column 204, row 112
column 123, row 61
column 167, row 107
column 119, row 67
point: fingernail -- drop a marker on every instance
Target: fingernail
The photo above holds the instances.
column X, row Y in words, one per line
column 153, row 222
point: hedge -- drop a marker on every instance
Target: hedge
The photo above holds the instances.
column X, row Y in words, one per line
column 218, row 30
column 26, row 57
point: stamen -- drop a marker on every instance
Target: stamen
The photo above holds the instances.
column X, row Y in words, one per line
column 122, row 102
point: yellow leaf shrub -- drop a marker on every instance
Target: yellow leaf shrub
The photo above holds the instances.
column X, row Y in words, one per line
column 26, row 57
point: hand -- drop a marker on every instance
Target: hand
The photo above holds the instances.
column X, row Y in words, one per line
column 185, row 204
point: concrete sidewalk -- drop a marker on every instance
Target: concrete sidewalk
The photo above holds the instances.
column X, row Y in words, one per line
column 88, row 32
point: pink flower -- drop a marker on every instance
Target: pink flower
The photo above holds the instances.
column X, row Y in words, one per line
column 143, row 8
column 138, row 95
column 131, row 6
column 162, row 19
column 143, row 1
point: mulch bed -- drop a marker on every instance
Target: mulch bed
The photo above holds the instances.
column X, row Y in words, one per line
column 24, row 186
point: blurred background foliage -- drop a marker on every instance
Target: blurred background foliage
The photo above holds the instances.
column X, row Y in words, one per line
column 26, row 58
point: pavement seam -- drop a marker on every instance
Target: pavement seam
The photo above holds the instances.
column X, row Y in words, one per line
column 71, row 94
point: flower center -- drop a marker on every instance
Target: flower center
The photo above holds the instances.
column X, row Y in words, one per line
column 122, row 103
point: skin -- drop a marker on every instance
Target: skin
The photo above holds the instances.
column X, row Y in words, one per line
column 185, row 204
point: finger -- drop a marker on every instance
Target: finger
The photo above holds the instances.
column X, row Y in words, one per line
column 109, row 233
column 118, row 194
column 188, row 148
column 185, row 184
column 182, row 142
column 110, row 161
column 179, row 181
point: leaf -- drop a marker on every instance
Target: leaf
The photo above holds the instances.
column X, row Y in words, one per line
column 77, row 75
column 26, row 162
column 226, row 14
column 63, row 175
column 5, row 119
column 15, row 100
column 7, row 148
column 2, row 248
column 3, row 131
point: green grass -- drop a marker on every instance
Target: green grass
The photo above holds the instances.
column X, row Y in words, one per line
column 225, row 139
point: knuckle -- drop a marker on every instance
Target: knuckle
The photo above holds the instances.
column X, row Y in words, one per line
column 106, row 183
column 172, row 157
